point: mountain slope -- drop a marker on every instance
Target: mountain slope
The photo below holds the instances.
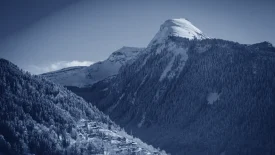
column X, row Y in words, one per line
column 85, row 76
column 40, row 117
column 199, row 97
column 195, row 96
column 189, row 94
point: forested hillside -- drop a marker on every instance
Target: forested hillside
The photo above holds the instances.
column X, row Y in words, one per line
column 40, row 117
column 186, row 96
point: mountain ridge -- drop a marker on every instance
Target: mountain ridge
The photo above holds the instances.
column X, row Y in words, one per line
column 84, row 76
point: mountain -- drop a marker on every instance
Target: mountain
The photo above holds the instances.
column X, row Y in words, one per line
column 189, row 94
column 40, row 117
column 85, row 76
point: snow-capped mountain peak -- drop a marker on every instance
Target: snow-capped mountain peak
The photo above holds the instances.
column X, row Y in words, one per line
column 177, row 27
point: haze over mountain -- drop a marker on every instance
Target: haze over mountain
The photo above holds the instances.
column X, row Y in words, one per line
column 189, row 94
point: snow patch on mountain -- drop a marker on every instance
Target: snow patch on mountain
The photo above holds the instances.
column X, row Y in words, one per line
column 177, row 52
column 117, row 103
column 167, row 69
column 212, row 97
column 135, row 94
column 142, row 120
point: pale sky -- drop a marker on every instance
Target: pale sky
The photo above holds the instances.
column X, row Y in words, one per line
column 48, row 35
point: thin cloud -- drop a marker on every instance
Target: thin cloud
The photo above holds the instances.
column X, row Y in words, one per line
column 56, row 66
